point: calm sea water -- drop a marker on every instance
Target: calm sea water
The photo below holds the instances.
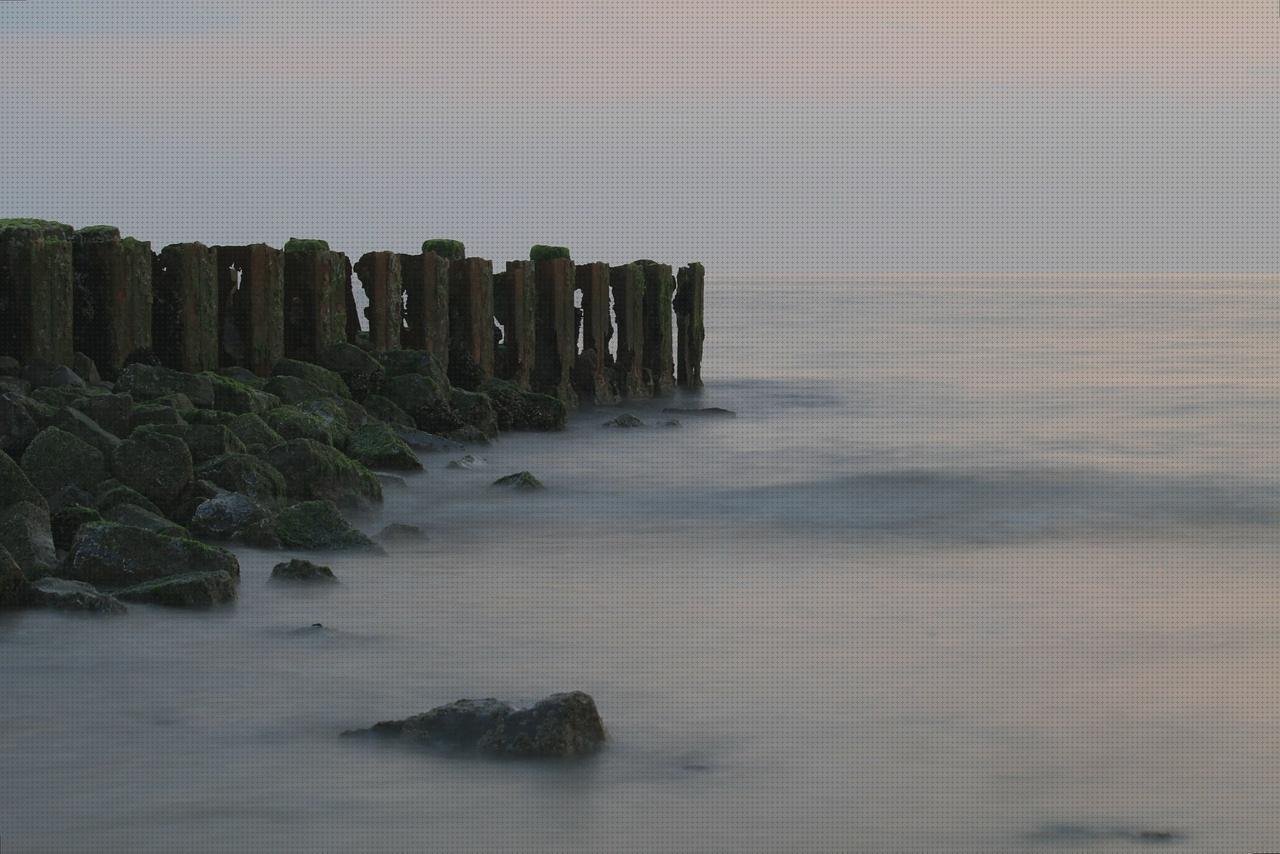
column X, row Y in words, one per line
column 980, row 566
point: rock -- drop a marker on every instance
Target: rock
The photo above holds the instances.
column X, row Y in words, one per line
column 9, row 366
column 519, row 480
column 245, row 474
column 230, row 395
column 469, row 435
column 339, row 416
column 192, row 496
column 384, row 409
column 85, row 428
column 206, row 441
column 14, row 385
column 315, row 471
column 26, row 534
column 672, row 423
column 290, row 422
column 561, row 726
column 146, row 382
column 475, row 410
column 245, row 376
column 516, row 409
column 291, row 390
column 111, row 412
column 302, row 570
column 63, row 595
column 397, row 363
column 45, row 375
column 154, row 413
column 138, row 517
column 322, row 378
column 184, row 590
column 376, row 445
column 112, row 493
column 423, row 400
column 704, row 412
column 469, row 461
column 55, row 458
column 110, row 554
column 361, row 373
column 318, row 525
column 234, row 517
column 255, row 433
column 66, row 521
column 15, row 591
column 155, row 464
column 17, row 424
column 627, row 420
column 85, row 368
column 428, row 442
column 400, row 533
column 393, row 481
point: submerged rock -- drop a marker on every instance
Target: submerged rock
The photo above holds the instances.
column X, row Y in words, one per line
column 704, row 412
column 185, row 590
column 111, row 554
column 627, row 420
column 562, row 726
column 63, row 595
column 318, row 525
column 428, row 442
column 400, row 533
column 376, row 445
column 517, row 409
column 302, row 570
column 315, row 471
column 244, row 474
column 469, row 461
column 520, row 480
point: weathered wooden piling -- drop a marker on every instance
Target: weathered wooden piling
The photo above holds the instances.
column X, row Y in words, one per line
column 251, row 306
column 627, row 283
column 425, row 279
column 659, row 364
column 317, row 285
column 690, row 331
column 471, row 329
column 36, row 291
column 556, row 339
column 184, row 316
column 591, row 371
column 515, row 307
column 112, row 296
column 382, row 280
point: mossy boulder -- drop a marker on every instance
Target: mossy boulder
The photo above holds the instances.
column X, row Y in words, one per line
column 85, row 368
column 233, row 517
column 292, row 390
column 341, row 416
column 45, row 375
column 245, row 474
column 66, row 521
column 522, row 480
column 26, row 533
column 361, row 372
column 209, row 416
column 517, row 409
column 230, row 395
column 298, row 570
column 542, row 252
column 154, row 412
column 396, row 363
column 312, row 471
column 322, row 378
column 83, row 427
column 15, row 486
column 184, row 590
column 114, row 555
column 18, row 425
column 255, row 433
column 290, row 422
column 112, row 493
column 454, row 250
column 377, row 446
column 300, row 244
column 15, row 591
column 206, row 441
column 424, row 400
column 318, row 525
column 243, row 375
column 56, row 458
column 384, row 409
column 476, row 411
column 139, row 517
column 60, row 594
column 111, row 412
column 145, row 382
column 154, row 463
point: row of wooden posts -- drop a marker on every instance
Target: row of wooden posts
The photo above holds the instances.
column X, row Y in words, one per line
column 199, row 307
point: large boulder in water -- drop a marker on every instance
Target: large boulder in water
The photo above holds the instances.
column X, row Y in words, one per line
column 55, row 458
column 246, row 474
column 255, row 433
column 26, row 533
column 184, row 590
column 106, row 553
column 145, row 382
column 314, row 471
column 383, row 409
column 562, row 726
column 318, row 525
column 63, row 595
column 234, row 517
column 376, row 445
column 517, row 409
column 476, row 411
column 290, row 422
column 299, row 570
column 154, row 463
column 361, row 372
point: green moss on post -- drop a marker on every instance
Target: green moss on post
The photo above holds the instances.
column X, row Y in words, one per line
column 27, row 225
column 540, row 252
column 451, row 249
column 298, row 244
column 92, row 233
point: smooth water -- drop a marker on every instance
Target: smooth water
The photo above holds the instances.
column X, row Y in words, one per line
column 980, row 566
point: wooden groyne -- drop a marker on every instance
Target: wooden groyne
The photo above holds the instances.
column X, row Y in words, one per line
column 588, row 331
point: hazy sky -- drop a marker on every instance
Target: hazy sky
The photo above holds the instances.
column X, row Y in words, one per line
column 947, row 135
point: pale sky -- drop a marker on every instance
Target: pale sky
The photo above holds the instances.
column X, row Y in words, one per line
column 760, row 137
